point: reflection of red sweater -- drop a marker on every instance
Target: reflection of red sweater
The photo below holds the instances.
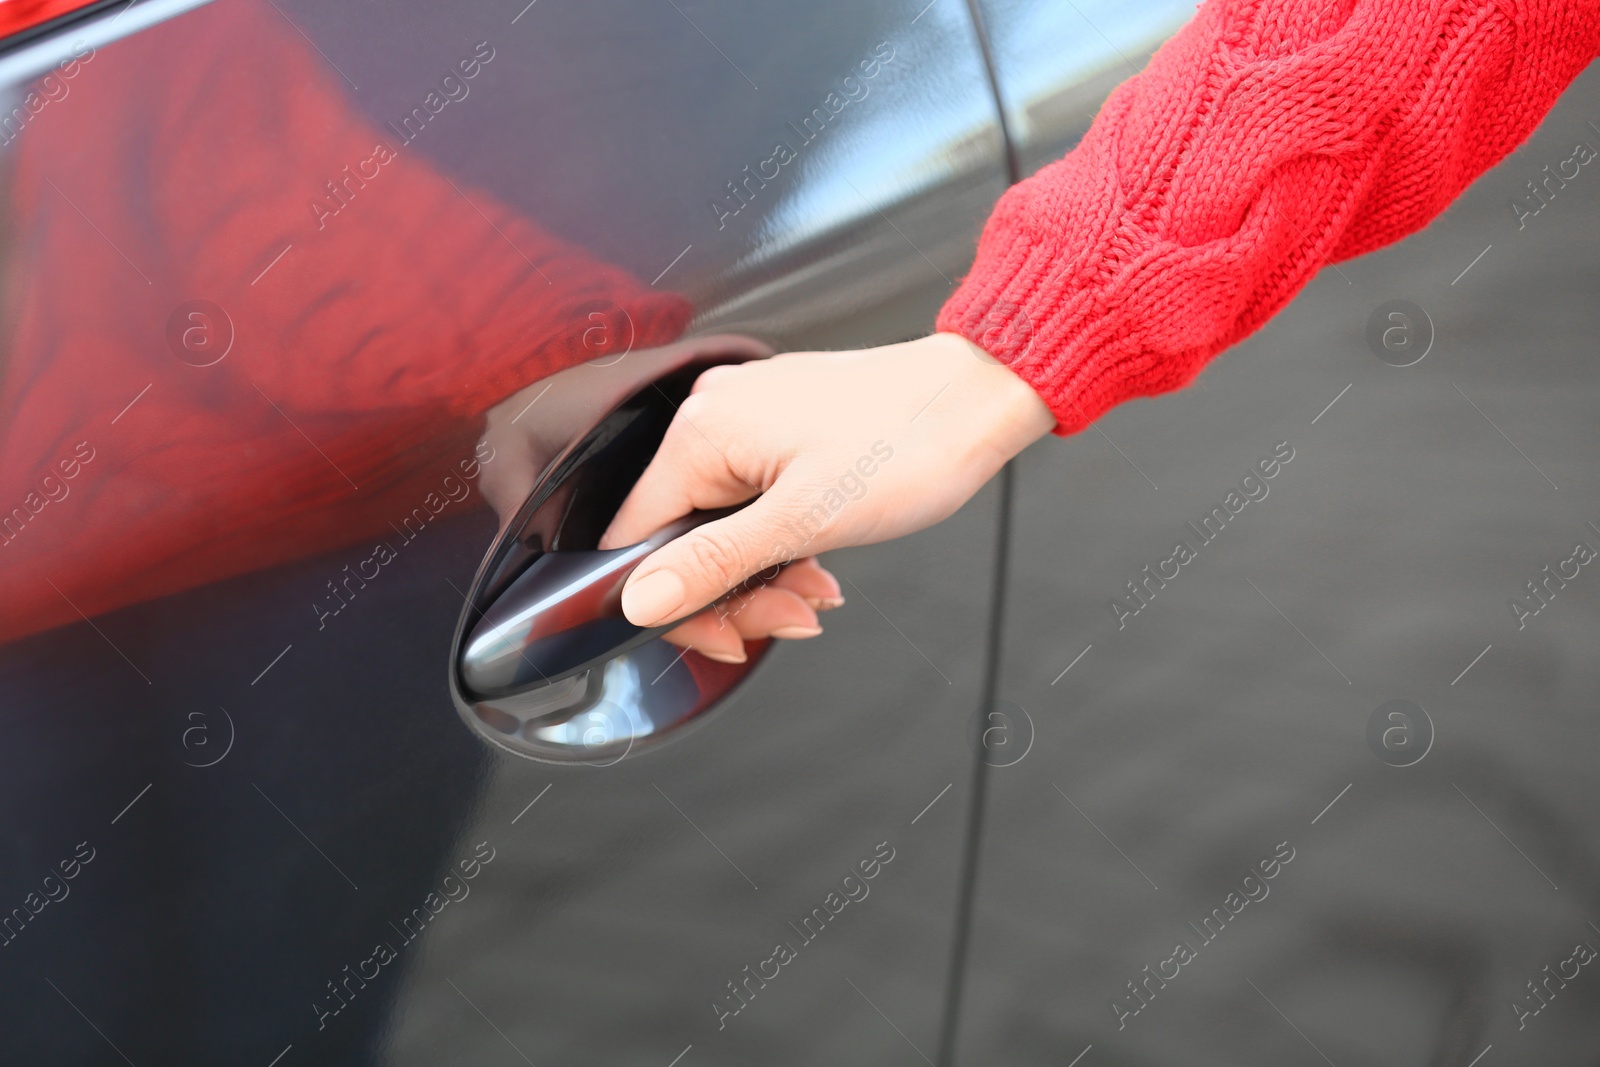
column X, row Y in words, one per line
column 1268, row 137
column 182, row 167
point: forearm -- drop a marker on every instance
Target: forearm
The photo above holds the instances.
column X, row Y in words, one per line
column 1263, row 141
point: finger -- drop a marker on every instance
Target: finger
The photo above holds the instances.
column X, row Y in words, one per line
column 767, row 612
column 711, row 376
column 812, row 582
column 709, row 632
column 707, row 636
column 686, row 473
column 721, row 630
column 690, row 572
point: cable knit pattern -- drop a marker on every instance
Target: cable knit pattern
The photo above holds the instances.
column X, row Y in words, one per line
column 1265, row 139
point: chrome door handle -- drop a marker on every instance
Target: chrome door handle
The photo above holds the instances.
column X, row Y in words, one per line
column 543, row 662
column 562, row 616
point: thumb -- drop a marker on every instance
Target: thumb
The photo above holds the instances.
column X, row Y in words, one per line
column 691, row 571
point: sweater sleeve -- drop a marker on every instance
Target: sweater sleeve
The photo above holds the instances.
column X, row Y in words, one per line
column 1265, row 139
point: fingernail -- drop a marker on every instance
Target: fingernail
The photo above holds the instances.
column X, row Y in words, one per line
column 794, row 632
column 653, row 597
column 825, row 603
column 725, row 657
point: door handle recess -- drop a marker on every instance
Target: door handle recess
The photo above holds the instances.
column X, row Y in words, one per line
column 544, row 664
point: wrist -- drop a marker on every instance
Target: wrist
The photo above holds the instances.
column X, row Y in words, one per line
column 1013, row 410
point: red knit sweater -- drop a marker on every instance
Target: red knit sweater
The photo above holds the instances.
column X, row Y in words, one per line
column 1267, row 138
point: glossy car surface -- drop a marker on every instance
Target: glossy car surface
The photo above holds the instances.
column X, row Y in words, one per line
column 317, row 318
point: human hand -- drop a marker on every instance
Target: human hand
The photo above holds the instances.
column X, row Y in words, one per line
column 529, row 428
column 832, row 449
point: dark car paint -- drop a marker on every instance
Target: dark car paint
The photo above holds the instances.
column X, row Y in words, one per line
column 270, row 772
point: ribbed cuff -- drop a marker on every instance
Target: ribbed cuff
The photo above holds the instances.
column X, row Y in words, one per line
column 1014, row 305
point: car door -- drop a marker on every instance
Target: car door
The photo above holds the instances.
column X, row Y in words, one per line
column 304, row 303
column 1318, row 787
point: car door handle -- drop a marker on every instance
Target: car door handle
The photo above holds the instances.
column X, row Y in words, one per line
column 562, row 616
column 543, row 662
